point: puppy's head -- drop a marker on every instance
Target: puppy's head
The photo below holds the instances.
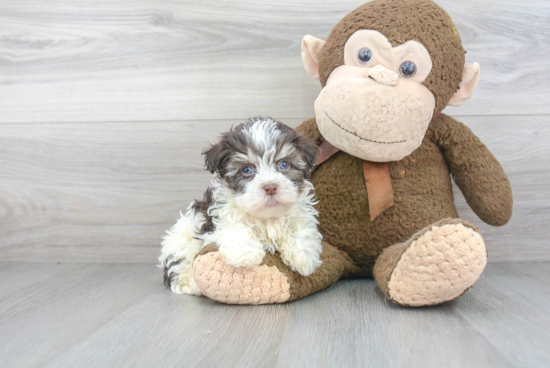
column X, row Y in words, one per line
column 264, row 164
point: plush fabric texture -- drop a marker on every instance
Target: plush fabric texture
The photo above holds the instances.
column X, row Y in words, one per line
column 419, row 20
column 476, row 171
column 271, row 282
column 371, row 120
column 336, row 265
column 437, row 264
column 231, row 285
column 377, row 180
column 422, row 191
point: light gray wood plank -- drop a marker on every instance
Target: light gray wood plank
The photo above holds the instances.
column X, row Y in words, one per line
column 107, row 192
column 348, row 325
column 121, row 315
column 354, row 325
column 183, row 331
column 511, row 308
column 180, row 60
column 53, row 314
column 16, row 278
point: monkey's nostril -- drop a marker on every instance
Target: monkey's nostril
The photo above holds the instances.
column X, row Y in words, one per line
column 270, row 189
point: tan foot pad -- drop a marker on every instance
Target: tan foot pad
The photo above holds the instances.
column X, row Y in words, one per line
column 227, row 284
column 438, row 266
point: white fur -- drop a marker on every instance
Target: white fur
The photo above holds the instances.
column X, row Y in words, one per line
column 263, row 132
column 244, row 238
column 179, row 248
column 245, row 227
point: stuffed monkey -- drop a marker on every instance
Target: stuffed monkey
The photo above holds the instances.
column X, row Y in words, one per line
column 387, row 154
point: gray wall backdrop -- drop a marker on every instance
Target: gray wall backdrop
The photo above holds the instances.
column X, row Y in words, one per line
column 105, row 107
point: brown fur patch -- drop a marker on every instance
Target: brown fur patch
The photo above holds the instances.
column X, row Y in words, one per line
column 202, row 207
column 230, row 155
column 169, row 277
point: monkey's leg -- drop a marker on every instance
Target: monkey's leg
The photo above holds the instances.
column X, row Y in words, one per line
column 270, row 282
column 439, row 263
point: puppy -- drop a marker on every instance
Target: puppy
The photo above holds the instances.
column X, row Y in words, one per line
column 260, row 201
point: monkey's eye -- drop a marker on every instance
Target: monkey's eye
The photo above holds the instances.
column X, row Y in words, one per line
column 247, row 170
column 365, row 55
column 407, row 69
column 284, row 165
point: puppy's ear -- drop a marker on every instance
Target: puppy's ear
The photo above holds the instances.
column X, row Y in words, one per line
column 215, row 157
column 309, row 152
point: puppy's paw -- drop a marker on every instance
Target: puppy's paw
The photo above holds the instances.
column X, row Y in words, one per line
column 304, row 264
column 304, row 257
column 244, row 253
column 185, row 284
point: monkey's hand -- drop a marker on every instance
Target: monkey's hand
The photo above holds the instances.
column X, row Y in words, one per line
column 476, row 171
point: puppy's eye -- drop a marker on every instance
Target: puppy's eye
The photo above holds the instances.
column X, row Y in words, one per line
column 365, row 55
column 407, row 69
column 247, row 170
column 284, row 165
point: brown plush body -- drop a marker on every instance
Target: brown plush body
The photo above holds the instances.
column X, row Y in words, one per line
column 422, row 191
column 417, row 249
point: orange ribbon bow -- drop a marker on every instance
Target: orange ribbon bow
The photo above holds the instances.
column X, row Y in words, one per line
column 377, row 180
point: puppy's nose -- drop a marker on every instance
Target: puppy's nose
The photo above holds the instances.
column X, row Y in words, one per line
column 270, row 189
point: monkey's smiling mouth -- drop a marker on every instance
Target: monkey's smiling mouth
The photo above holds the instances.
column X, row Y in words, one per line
column 365, row 139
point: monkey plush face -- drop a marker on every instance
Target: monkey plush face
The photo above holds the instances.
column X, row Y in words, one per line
column 375, row 105
column 382, row 85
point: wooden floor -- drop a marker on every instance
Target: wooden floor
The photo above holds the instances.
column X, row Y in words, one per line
column 120, row 315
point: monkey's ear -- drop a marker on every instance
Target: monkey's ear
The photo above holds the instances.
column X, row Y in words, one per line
column 470, row 78
column 311, row 52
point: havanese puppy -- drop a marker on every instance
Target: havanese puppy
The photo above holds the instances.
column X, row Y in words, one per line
column 260, row 201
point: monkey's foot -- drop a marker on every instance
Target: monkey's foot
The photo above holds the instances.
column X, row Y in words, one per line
column 270, row 282
column 227, row 284
column 436, row 265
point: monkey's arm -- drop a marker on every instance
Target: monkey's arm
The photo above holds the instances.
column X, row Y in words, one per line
column 476, row 171
column 310, row 130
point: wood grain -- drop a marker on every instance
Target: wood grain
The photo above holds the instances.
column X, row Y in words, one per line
column 140, row 60
column 107, row 192
column 523, row 303
column 43, row 319
column 17, row 276
column 121, row 315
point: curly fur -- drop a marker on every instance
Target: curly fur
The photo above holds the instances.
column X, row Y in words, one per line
column 238, row 215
